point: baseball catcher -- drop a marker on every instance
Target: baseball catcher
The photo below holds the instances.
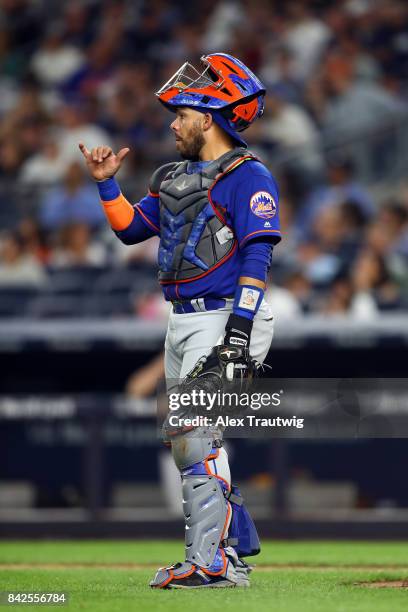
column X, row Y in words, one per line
column 216, row 212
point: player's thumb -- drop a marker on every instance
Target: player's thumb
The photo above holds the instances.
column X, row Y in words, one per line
column 122, row 153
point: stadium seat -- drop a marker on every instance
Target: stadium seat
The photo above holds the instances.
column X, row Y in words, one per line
column 14, row 300
column 106, row 305
column 74, row 280
column 54, row 306
column 124, row 280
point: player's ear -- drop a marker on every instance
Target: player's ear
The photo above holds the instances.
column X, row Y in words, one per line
column 208, row 121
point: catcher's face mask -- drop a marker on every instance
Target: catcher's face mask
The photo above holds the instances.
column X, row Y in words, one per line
column 188, row 77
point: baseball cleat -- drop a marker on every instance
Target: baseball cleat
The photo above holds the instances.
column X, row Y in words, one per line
column 189, row 576
column 243, row 570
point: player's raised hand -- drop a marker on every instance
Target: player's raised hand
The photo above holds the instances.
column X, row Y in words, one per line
column 102, row 162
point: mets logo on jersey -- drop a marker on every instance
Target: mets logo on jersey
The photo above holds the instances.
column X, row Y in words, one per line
column 263, row 205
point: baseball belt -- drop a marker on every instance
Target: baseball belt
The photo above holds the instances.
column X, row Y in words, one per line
column 200, row 304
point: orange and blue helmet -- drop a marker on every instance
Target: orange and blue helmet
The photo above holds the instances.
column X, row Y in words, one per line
column 225, row 87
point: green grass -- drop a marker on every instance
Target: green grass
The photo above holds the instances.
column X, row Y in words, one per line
column 306, row 589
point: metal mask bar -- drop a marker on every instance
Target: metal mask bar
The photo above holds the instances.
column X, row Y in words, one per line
column 188, row 76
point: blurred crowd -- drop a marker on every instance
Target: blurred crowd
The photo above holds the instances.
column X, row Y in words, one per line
column 336, row 74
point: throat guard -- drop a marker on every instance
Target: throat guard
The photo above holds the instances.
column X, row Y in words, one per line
column 195, row 237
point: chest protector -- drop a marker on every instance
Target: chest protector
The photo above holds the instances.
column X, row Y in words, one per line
column 194, row 236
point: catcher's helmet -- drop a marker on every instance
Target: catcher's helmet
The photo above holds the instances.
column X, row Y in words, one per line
column 224, row 84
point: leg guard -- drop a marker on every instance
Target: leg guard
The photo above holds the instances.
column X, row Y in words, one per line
column 243, row 535
column 206, row 514
column 206, row 510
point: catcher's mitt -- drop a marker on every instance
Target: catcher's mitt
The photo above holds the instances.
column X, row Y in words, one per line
column 228, row 368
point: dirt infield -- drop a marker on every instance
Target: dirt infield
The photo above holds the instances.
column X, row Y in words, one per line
column 259, row 568
column 374, row 584
column 384, row 584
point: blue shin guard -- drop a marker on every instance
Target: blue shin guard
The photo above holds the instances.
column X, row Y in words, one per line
column 242, row 535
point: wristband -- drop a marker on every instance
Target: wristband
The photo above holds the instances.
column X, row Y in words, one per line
column 108, row 189
column 247, row 301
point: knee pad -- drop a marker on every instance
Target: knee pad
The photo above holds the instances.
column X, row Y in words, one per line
column 191, row 447
column 242, row 535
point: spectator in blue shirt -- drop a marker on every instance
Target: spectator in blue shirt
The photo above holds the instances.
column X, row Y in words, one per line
column 72, row 202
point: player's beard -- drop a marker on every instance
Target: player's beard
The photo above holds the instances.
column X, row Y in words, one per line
column 190, row 146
